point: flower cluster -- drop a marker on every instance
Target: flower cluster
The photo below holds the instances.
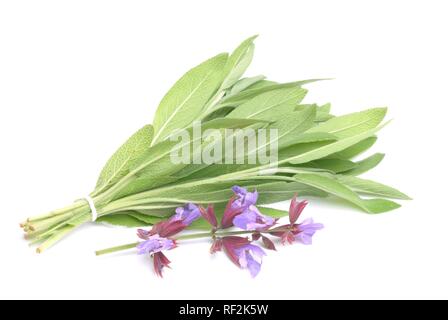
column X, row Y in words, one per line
column 159, row 238
column 241, row 212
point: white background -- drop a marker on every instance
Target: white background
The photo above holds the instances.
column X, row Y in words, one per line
column 78, row 77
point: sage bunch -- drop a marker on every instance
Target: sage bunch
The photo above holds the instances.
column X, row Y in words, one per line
column 140, row 185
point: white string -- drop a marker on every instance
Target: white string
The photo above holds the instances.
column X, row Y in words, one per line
column 92, row 208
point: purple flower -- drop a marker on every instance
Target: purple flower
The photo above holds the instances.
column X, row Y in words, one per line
column 243, row 199
column 154, row 244
column 252, row 219
column 302, row 232
column 230, row 244
column 250, row 257
column 305, row 231
column 230, row 212
column 187, row 214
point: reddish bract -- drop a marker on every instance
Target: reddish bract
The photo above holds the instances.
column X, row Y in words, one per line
column 160, row 262
column 230, row 244
column 229, row 214
column 209, row 215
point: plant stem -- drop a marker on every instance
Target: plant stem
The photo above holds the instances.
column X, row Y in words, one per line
column 55, row 238
column 211, row 234
column 116, row 249
column 57, row 212
column 187, row 237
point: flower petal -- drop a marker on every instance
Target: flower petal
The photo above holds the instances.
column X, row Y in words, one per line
column 154, row 244
column 143, row 234
column 231, row 245
column 230, row 213
column 253, row 266
column 305, row 238
column 252, row 219
column 187, row 214
column 244, row 199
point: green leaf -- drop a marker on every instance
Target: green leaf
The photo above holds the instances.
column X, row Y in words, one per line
column 356, row 149
column 160, row 158
column 147, row 219
column 289, row 130
column 322, row 116
column 317, row 150
column 122, row 220
column 217, row 193
column 238, row 62
column 366, row 164
column 326, row 108
column 271, row 105
column 370, row 187
column 185, row 100
column 291, row 127
column 307, row 137
column 124, row 158
column 281, row 191
column 155, row 168
column 333, row 165
column 262, row 84
column 322, row 112
column 353, row 123
column 338, row 189
column 258, row 89
column 158, row 213
column 274, row 213
column 244, row 83
column 218, row 113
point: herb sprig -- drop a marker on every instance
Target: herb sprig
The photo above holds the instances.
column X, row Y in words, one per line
column 140, row 185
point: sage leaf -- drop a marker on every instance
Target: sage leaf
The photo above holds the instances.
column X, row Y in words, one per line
column 365, row 164
column 123, row 220
column 320, row 150
column 272, row 212
column 124, row 158
column 145, row 218
column 322, row 112
column 281, row 191
column 263, row 83
column 156, row 168
column 244, row 83
column 356, row 149
column 256, row 90
column 326, row 108
column 291, row 127
column 238, row 62
column 307, row 137
column 271, row 105
column 353, row 123
column 336, row 188
column 185, row 100
column 370, row 187
column 333, row 165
